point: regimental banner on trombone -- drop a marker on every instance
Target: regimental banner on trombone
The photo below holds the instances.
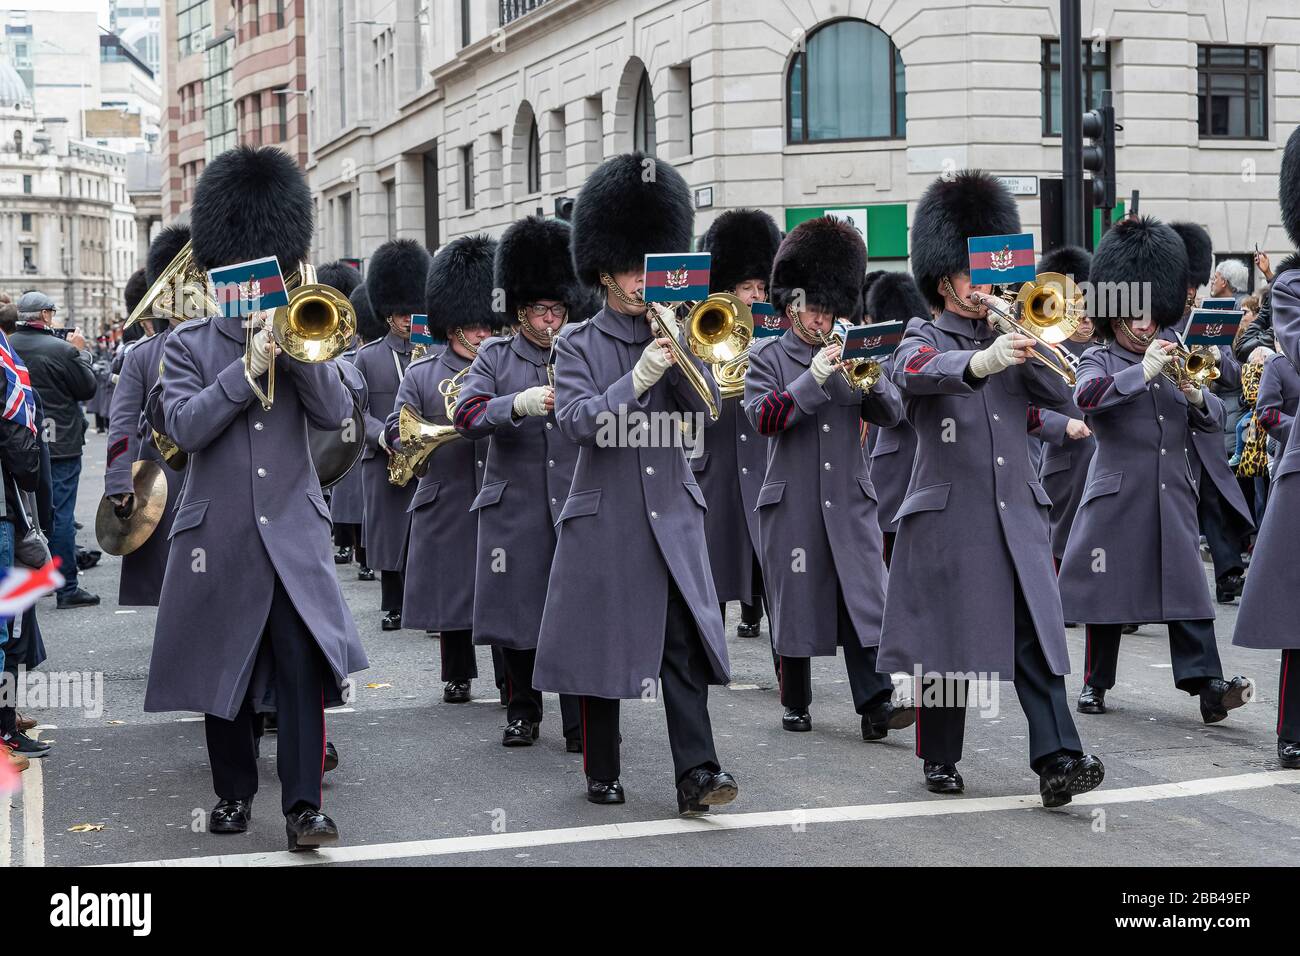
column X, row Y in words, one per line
column 1001, row 260
column 248, row 287
column 1225, row 304
column 766, row 320
column 1212, row 327
column 875, row 341
column 420, row 331
column 677, row 277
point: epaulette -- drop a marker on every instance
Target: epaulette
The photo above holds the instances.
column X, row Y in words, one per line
column 568, row 327
column 188, row 325
column 756, row 345
column 371, row 344
column 435, row 352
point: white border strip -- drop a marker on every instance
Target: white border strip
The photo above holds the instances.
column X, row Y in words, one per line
column 725, row 821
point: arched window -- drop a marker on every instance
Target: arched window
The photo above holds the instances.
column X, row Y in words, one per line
column 643, row 118
column 847, row 83
column 534, row 159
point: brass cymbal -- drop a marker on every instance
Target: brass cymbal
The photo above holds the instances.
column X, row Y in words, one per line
column 122, row 537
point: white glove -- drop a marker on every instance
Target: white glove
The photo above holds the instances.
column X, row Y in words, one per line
column 1154, row 360
column 258, row 360
column 821, row 367
column 1195, row 396
column 998, row 357
column 649, row 368
column 531, row 401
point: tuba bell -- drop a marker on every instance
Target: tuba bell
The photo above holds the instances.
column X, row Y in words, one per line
column 419, row 439
column 184, row 275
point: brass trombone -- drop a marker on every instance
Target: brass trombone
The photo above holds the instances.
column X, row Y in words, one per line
column 1047, row 310
column 717, row 330
column 419, row 439
column 316, row 326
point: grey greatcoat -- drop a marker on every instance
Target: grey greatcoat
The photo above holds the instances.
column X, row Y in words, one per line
column 817, row 539
column 387, row 521
column 974, row 521
column 1063, row 465
column 1270, row 605
column 891, row 452
column 1134, row 552
column 634, row 516
column 347, row 503
column 439, row 587
column 130, row 439
column 251, row 512
column 730, row 472
column 1279, row 392
column 529, row 469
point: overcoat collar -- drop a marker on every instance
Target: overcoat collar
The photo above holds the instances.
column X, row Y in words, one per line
column 632, row 329
column 397, row 343
column 528, row 350
column 795, row 347
column 977, row 330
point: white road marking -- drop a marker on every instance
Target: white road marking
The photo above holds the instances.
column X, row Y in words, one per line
column 6, row 808
column 727, row 821
column 34, row 811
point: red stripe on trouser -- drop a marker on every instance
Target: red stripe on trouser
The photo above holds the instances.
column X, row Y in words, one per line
column 1281, row 697
column 1087, row 654
column 919, row 708
column 583, row 701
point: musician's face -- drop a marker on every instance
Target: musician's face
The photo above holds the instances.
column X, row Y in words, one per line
column 632, row 283
column 961, row 285
column 817, row 320
column 751, row 291
column 1084, row 332
column 476, row 335
column 547, row 319
column 401, row 325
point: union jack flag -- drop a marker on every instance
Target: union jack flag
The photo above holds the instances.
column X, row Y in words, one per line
column 19, row 402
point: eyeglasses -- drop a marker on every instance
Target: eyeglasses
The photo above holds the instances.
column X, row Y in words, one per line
column 536, row 310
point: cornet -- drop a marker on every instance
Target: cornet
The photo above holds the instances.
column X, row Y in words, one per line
column 1191, row 366
column 860, row 374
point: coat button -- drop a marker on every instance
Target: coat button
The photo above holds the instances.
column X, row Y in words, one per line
column 827, row 503
column 826, row 428
column 1156, row 384
column 552, row 501
column 827, row 466
column 480, row 464
column 257, row 425
column 1162, row 451
column 655, row 515
column 548, row 426
column 1002, row 505
column 1162, row 486
column 1160, row 417
column 261, row 472
column 649, row 470
column 744, row 437
column 264, row 520
column 995, row 417
column 551, row 463
column 744, row 471
column 1001, row 460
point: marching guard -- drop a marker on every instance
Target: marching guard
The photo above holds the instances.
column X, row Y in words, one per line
column 823, row 556
column 395, row 286
column 1270, row 604
column 251, row 617
column 730, row 467
column 507, row 397
column 439, row 595
column 631, row 611
column 1133, row 552
column 972, row 587
column 1279, row 394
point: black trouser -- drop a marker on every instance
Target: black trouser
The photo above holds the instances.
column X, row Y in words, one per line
column 1288, row 697
column 751, row 612
column 349, row 536
column 870, row 689
column 391, row 585
column 1222, row 529
column 941, row 728
column 1192, row 649
column 457, row 650
column 525, row 702
column 684, row 690
column 300, row 675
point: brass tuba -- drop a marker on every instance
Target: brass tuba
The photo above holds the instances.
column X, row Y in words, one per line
column 419, row 439
column 316, row 326
column 196, row 301
column 1047, row 310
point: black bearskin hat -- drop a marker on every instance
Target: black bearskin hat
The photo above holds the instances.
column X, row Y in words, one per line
column 169, row 241
column 369, row 325
column 825, row 259
column 136, row 287
column 1144, row 262
column 972, row 203
column 1069, row 261
column 1288, row 193
column 894, row 296
column 743, row 243
column 395, row 279
column 459, row 289
column 339, row 275
column 1286, row 265
column 632, row 206
column 1200, row 253
column 589, row 300
column 250, row 203
column 533, row 262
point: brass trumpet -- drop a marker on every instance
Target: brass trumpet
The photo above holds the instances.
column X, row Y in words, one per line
column 419, row 439
column 860, row 374
column 1047, row 310
column 1191, row 366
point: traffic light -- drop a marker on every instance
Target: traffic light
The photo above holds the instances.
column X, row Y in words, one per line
column 1099, row 153
column 564, row 207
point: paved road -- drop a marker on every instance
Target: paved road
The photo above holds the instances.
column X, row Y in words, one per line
column 428, row 783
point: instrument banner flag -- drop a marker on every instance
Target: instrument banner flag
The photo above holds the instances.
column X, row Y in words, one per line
column 420, row 331
column 1226, row 304
column 875, row 341
column 248, row 287
column 767, row 322
column 1213, row 327
column 1001, row 260
column 677, row 277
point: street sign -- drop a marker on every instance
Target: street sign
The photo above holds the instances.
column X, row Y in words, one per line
column 1019, row 185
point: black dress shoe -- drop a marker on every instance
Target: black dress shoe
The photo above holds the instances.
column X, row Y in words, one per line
column 747, row 630
column 1092, row 700
column 331, row 756
column 1220, row 696
column 456, row 692
column 231, row 816
column 796, row 721
column 943, row 778
column 876, row 724
column 308, row 829
column 600, row 791
column 365, row 574
column 1065, row 777
column 78, row 597
column 1288, row 753
column 392, row 621
column 573, row 745
column 1229, row 586
column 520, row 733
column 343, row 556
column 1129, row 628
column 702, row 788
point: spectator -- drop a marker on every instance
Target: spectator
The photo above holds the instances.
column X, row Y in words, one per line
column 63, row 376
column 1229, row 279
